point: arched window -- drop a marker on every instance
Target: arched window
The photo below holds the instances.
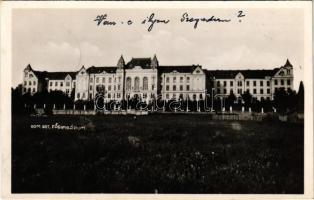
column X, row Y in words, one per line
column 137, row 84
column 128, row 83
column 145, row 83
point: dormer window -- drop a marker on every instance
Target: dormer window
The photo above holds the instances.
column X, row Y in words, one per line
column 82, row 72
column 281, row 73
column 197, row 71
column 30, row 75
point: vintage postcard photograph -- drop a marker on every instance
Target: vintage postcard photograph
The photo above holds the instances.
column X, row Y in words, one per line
column 157, row 98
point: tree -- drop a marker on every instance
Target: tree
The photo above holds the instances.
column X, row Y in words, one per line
column 247, row 98
column 230, row 99
column 300, row 98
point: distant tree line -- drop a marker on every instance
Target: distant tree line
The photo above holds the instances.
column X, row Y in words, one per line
column 285, row 101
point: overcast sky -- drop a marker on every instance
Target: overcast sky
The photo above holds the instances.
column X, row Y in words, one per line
column 64, row 40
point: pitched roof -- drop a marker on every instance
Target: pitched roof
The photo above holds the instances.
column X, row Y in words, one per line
column 40, row 74
column 230, row 74
column 177, row 68
column 98, row 70
column 60, row 75
column 144, row 63
column 288, row 64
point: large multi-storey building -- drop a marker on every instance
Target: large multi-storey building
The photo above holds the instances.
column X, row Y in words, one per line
column 146, row 79
column 262, row 84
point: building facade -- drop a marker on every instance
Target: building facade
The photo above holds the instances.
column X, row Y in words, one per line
column 262, row 84
column 145, row 79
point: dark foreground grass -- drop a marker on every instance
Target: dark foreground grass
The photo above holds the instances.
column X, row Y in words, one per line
column 168, row 153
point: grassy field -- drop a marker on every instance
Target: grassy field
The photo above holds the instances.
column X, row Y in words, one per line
column 164, row 153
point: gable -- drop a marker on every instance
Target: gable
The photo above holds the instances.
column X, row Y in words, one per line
column 198, row 70
column 239, row 76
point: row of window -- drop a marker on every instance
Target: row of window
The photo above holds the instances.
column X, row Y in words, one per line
column 67, row 84
column 136, row 87
column 29, row 90
column 239, row 83
column 282, row 82
column 109, row 87
column 103, row 79
column 29, row 83
column 109, row 95
column 174, row 87
column 261, row 83
column 239, row 91
column 174, row 79
column 181, row 96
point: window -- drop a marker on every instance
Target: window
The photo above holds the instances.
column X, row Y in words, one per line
column 167, row 87
column 268, row 83
column 218, row 83
column 34, row 82
column 114, row 87
column 153, row 86
column 145, row 83
column 174, row 96
column 118, row 95
column 29, row 82
column 109, row 87
column 78, row 95
column 97, row 80
column 282, row 82
column 119, row 79
column 61, row 84
column 248, row 90
column 33, row 89
column 240, row 83
column 181, row 79
column 225, row 83
column 67, row 84
column 136, row 84
column 30, row 75
column 167, row 80
column 83, row 95
column 90, row 96
column 90, row 87
column 225, row 91
column 188, row 79
column 268, row 91
column 167, row 96
column 231, row 83
column 181, row 87
column 67, row 91
column 144, row 95
column 254, row 91
column 128, row 83
column 276, row 82
column 187, row 87
column 261, row 91
column 261, row 83
column 218, row 91
column 25, row 83
column 50, row 84
column 254, row 83
column 247, row 83
column 24, row 89
column 288, row 82
column 91, row 79
column 174, row 79
column 174, row 87
column 56, row 83
column 103, row 79
column 110, row 79
column 118, row 87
